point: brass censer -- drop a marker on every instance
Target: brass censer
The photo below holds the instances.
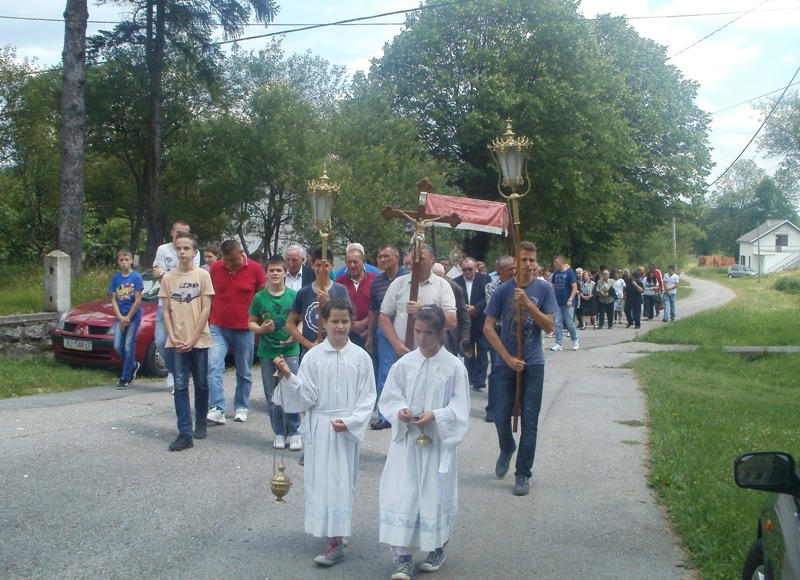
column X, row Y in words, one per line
column 280, row 484
column 423, row 439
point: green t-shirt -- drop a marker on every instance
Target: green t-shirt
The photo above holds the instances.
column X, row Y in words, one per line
column 266, row 307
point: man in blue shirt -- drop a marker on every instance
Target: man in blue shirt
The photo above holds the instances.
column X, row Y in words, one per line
column 537, row 302
column 565, row 284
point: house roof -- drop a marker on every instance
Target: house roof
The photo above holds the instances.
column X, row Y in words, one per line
column 763, row 230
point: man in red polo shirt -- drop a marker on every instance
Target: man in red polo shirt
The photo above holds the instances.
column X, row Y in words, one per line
column 358, row 283
column 236, row 280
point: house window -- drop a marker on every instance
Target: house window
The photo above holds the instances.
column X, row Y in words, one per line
column 781, row 241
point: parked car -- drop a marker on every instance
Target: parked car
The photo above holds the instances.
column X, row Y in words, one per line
column 775, row 553
column 739, row 271
column 85, row 334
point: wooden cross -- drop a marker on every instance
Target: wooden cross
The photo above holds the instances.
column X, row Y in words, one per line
column 420, row 218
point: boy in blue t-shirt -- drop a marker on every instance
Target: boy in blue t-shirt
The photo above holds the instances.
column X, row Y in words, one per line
column 126, row 297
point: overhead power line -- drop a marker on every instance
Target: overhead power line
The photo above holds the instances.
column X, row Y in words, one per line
column 753, row 138
column 707, row 36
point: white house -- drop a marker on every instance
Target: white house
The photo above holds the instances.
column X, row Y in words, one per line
column 773, row 245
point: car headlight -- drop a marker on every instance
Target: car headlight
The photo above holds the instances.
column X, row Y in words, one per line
column 62, row 320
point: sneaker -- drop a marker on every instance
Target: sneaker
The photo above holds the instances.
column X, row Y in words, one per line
column 122, row 385
column 556, row 347
column 183, row 441
column 501, row 467
column 489, row 418
column 200, row 429
column 576, row 345
column 295, row 443
column 521, row 486
column 333, row 555
column 280, row 442
column 216, row 416
column 433, row 562
column 171, row 382
column 135, row 371
column 404, row 570
column 241, row 415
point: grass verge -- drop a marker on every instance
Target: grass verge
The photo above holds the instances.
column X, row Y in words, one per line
column 707, row 407
column 44, row 374
column 22, row 288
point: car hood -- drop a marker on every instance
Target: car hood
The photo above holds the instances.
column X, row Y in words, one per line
column 96, row 313
column 100, row 313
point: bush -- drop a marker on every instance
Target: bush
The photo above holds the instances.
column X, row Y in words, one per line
column 788, row 285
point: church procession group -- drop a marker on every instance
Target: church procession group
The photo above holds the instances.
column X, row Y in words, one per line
column 334, row 356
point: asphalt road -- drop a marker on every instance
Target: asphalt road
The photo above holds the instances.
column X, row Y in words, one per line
column 89, row 490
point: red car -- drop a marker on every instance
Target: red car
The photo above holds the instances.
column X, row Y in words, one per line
column 85, row 334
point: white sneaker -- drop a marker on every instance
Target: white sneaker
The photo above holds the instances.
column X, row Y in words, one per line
column 216, row 416
column 241, row 415
column 295, row 443
column 280, row 442
column 171, row 381
column 556, row 347
column 576, row 345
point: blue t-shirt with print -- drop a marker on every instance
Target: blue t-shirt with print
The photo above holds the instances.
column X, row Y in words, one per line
column 503, row 308
column 562, row 284
column 125, row 287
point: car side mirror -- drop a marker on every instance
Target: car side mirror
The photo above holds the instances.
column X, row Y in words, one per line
column 766, row 471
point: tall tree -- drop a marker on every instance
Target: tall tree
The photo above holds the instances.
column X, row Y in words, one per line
column 185, row 26
column 781, row 138
column 460, row 69
column 73, row 123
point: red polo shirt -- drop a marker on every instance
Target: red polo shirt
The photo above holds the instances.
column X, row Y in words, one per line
column 233, row 293
column 358, row 296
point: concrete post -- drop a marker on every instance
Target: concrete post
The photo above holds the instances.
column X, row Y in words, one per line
column 57, row 281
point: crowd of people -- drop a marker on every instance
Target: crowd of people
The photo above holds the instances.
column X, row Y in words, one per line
column 348, row 351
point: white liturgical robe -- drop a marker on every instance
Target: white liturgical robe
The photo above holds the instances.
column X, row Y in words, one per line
column 419, row 485
column 330, row 384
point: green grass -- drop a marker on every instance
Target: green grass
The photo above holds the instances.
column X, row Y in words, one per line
column 759, row 316
column 44, row 374
column 707, row 407
column 22, row 288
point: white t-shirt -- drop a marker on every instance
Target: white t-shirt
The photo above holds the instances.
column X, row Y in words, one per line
column 671, row 280
column 167, row 257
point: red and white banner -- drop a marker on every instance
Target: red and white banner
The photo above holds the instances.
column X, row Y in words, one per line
column 475, row 214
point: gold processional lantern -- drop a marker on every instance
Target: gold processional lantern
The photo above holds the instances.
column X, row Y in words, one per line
column 323, row 193
column 510, row 154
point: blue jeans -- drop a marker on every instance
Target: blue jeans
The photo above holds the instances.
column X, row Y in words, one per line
column 291, row 424
column 565, row 314
column 125, row 347
column 478, row 364
column 241, row 342
column 530, row 405
column 669, row 306
column 386, row 358
column 161, row 338
column 195, row 362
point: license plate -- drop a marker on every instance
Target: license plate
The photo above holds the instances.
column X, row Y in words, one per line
column 73, row 344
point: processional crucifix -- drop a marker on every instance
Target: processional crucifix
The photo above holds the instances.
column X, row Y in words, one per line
column 420, row 218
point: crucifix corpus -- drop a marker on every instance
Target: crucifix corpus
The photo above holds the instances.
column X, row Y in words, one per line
column 420, row 218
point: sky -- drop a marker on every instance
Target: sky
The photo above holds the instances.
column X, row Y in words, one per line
column 753, row 54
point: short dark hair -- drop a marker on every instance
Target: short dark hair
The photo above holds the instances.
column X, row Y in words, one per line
column 229, row 247
column 317, row 255
column 432, row 314
column 528, row 246
column 212, row 248
column 276, row 259
column 338, row 304
column 187, row 236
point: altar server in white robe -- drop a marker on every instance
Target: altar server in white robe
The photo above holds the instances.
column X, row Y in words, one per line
column 427, row 390
column 335, row 387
